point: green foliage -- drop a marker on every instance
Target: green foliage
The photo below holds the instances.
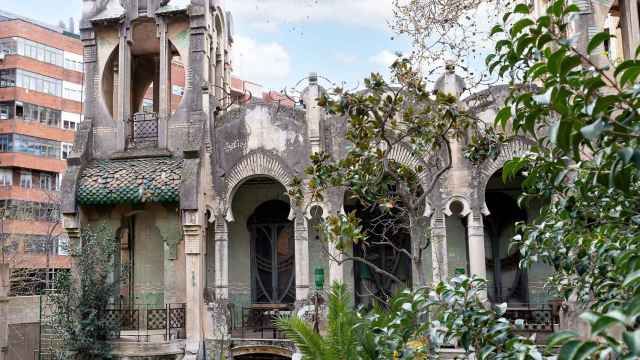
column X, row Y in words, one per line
column 77, row 303
column 585, row 165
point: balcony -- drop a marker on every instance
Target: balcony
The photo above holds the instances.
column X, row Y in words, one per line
column 142, row 131
column 256, row 321
column 146, row 323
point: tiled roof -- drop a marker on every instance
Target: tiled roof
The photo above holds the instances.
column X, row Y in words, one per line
column 132, row 181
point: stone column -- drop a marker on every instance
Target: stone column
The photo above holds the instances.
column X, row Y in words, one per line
column 221, row 237
column 4, row 302
column 124, row 77
column 439, row 247
column 219, row 77
column 301, row 236
column 192, row 227
column 71, row 225
column 475, row 231
column 164, row 86
column 629, row 26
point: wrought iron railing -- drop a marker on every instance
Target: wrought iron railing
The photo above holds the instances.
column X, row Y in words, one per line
column 146, row 322
column 534, row 317
column 143, row 131
column 257, row 320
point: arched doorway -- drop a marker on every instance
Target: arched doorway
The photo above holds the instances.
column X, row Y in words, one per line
column 387, row 246
column 272, row 254
column 507, row 282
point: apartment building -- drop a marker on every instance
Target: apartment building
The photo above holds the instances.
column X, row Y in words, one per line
column 41, row 82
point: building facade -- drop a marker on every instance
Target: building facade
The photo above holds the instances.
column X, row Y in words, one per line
column 41, row 78
column 195, row 192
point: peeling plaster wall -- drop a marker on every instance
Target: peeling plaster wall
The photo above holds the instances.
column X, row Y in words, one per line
column 158, row 279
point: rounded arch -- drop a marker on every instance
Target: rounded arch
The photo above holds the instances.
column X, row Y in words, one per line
column 255, row 164
column 245, row 352
column 516, row 148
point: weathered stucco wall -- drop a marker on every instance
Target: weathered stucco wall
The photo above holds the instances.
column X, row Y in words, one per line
column 159, row 260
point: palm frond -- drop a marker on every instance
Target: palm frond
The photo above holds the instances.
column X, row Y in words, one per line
column 310, row 344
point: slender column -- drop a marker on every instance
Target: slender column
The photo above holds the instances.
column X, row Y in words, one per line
column 116, row 90
column 192, row 227
column 475, row 230
column 629, row 26
column 301, row 235
column 219, row 77
column 164, row 87
column 124, row 79
column 439, row 248
column 4, row 300
column 221, row 258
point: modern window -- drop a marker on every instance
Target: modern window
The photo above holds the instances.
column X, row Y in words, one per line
column 6, row 177
column 30, row 145
column 66, row 150
column 70, row 125
column 37, row 82
column 7, row 78
column 46, row 181
column 26, row 179
column 73, row 65
column 72, row 94
column 6, row 110
column 33, row 50
column 177, row 90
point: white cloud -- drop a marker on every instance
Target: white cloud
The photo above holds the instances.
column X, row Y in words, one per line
column 384, row 58
column 345, row 59
column 265, row 63
column 270, row 13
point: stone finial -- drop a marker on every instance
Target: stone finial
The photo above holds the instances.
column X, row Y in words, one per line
column 450, row 83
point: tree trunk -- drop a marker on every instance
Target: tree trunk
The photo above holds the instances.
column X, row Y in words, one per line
column 417, row 226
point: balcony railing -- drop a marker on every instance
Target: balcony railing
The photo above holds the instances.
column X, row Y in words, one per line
column 256, row 321
column 143, row 131
column 146, row 323
column 534, row 317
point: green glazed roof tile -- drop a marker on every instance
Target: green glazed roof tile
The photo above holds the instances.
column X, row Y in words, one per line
column 110, row 182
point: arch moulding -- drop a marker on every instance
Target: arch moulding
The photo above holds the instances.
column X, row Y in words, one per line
column 254, row 165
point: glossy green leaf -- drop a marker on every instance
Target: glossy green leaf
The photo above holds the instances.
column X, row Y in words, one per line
column 597, row 40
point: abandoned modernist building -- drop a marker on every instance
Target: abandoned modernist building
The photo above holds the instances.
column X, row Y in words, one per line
column 195, row 192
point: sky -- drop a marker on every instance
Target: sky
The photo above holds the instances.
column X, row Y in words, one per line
column 279, row 42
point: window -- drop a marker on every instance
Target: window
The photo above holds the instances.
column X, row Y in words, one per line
column 73, row 65
column 66, row 150
column 9, row 46
column 38, row 51
column 6, row 177
column 5, row 143
column 72, row 94
column 25, row 179
column 7, row 78
column 45, row 182
column 39, row 83
column 6, row 110
column 43, row 115
column 70, row 125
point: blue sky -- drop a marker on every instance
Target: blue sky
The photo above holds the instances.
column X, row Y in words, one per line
column 278, row 42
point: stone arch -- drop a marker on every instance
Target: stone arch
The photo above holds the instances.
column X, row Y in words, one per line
column 516, row 148
column 402, row 155
column 274, row 350
column 253, row 165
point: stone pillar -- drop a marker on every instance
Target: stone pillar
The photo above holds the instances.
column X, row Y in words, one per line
column 71, row 223
column 630, row 27
column 439, row 247
column 313, row 113
column 301, row 236
column 192, row 227
column 221, row 258
column 124, row 78
column 164, row 86
column 4, row 302
column 477, row 259
column 116, row 90
column 219, row 77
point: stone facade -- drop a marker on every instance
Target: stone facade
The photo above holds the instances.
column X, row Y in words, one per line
column 200, row 203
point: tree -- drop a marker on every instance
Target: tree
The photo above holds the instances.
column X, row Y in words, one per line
column 584, row 166
column 381, row 120
column 78, row 302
